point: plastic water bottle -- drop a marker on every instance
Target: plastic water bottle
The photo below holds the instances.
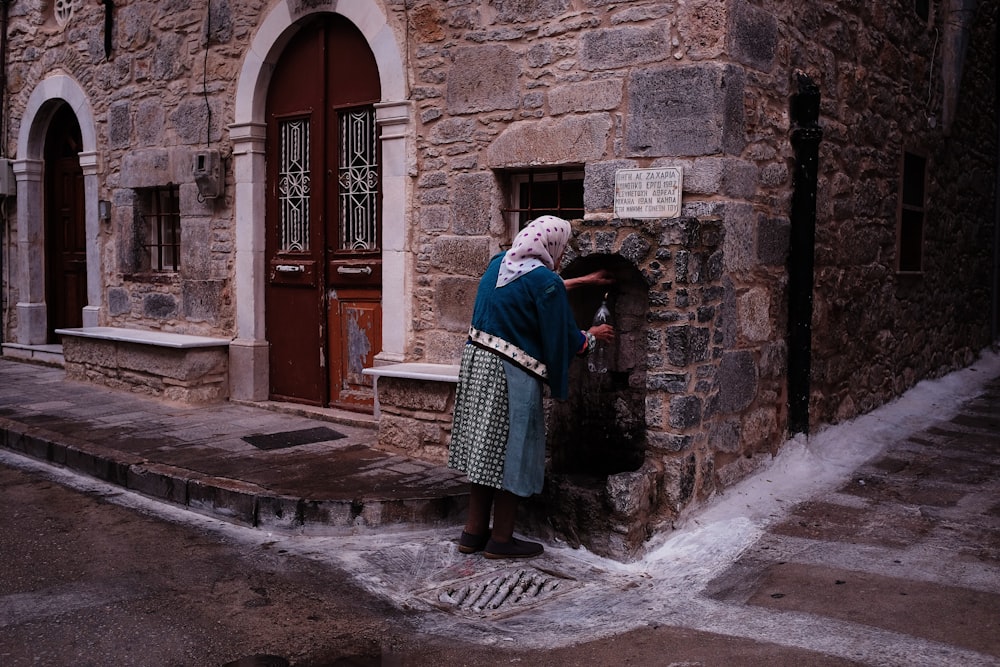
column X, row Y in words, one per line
column 597, row 360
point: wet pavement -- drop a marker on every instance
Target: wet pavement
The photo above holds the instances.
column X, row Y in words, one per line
column 875, row 542
column 285, row 467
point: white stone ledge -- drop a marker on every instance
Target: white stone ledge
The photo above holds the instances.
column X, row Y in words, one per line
column 411, row 371
column 143, row 337
column 416, row 371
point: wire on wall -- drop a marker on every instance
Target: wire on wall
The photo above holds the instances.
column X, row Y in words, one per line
column 204, row 75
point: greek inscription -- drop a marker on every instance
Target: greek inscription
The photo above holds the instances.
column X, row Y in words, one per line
column 648, row 193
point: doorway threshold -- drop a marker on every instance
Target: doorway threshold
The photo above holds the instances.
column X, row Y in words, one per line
column 333, row 415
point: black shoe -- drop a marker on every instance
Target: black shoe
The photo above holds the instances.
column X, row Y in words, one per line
column 470, row 544
column 514, row 549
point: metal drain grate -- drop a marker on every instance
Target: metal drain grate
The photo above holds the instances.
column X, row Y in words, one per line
column 501, row 593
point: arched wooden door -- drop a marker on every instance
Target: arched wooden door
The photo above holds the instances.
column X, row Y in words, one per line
column 65, row 225
column 323, row 255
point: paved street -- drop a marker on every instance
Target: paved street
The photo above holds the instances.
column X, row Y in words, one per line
column 90, row 582
column 875, row 542
column 94, row 575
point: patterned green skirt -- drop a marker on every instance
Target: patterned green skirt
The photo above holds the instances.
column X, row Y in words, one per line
column 481, row 424
column 498, row 434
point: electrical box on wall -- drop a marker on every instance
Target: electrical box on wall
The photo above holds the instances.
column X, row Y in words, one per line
column 8, row 186
column 208, row 173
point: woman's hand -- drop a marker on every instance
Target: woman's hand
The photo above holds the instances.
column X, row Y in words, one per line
column 603, row 332
column 601, row 277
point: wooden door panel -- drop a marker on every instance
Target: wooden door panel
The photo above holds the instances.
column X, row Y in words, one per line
column 355, row 322
column 293, row 272
column 294, row 319
column 298, row 374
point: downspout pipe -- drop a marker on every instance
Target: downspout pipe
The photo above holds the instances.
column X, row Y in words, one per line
column 995, row 292
column 806, row 136
column 958, row 18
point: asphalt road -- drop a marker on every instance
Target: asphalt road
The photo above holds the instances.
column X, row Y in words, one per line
column 93, row 575
column 89, row 582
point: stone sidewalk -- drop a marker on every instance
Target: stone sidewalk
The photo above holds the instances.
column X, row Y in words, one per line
column 254, row 466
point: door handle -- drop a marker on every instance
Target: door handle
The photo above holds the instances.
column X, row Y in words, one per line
column 290, row 268
column 354, row 270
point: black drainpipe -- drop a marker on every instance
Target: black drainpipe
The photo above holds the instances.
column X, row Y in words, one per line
column 806, row 137
column 109, row 28
column 995, row 298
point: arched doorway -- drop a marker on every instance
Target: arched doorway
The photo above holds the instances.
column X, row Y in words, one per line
column 65, row 224
column 323, row 264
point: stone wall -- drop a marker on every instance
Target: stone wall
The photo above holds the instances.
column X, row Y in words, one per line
column 415, row 417
column 876, row 332
column 154, row 108
column 601, row 86
column 186, row 375
column 631, row 85
column 706, row 85
column 551, row 83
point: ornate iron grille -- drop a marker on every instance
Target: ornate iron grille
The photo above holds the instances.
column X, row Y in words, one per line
column 293, row 186
column 358, row 180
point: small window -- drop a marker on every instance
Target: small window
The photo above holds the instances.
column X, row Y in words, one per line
column 533, row 193
column 911, row 213
column 159, row 215
column 922, row 8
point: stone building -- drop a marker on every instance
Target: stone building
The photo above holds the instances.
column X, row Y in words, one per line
column 292, row 201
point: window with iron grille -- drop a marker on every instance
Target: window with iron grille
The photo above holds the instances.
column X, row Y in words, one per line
column 159, row 213
column 294, row 188
column 551, row 191
column 358, row 178
column 911, row 213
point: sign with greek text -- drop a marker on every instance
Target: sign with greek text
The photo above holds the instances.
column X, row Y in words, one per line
column 648, row 193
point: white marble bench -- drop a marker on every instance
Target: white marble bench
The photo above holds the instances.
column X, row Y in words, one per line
column 182, row 367
column 413, row 405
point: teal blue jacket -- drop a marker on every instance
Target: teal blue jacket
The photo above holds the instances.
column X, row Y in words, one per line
column 530, row 323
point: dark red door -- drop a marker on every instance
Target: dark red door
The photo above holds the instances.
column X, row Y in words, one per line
column 323, row 293
column 65, row 225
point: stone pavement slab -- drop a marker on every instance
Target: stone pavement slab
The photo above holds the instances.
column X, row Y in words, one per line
column 908, row 544
column 195, row 456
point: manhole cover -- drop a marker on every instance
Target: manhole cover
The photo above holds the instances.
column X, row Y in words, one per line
column 293, row 438
column 500, row 593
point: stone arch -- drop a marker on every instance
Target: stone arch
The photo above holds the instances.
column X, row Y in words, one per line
column 600, row 429
column 248, row 357
column 45, row 99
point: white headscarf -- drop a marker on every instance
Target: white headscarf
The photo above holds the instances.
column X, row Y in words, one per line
column 538, row 244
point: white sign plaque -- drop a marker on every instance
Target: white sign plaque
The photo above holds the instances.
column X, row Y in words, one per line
column 648, row 193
